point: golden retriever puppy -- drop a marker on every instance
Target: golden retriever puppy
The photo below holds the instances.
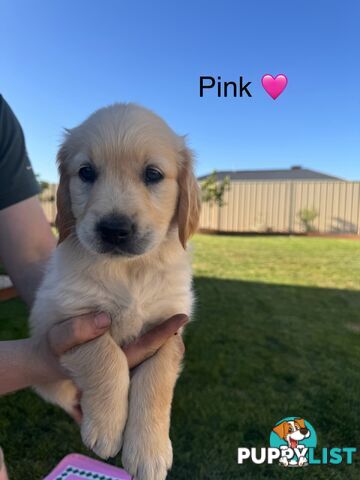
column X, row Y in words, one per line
column 127, row 203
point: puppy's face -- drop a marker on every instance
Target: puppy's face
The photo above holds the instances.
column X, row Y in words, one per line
column 126, row 178
column 292, row 431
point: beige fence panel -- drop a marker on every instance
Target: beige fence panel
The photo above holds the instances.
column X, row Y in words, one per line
column 47, row 199
column 271, row 207
column 274, row 207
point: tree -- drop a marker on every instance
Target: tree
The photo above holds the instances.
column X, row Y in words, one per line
column 307, row 216
column 213, row 190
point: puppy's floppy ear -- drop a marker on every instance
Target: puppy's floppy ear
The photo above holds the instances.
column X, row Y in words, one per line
column 280, row 429
column 189, row 203
column 64, row 219
column 300, row 422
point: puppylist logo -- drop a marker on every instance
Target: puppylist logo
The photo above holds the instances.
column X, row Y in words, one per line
column 293, row 442
column 293, row 437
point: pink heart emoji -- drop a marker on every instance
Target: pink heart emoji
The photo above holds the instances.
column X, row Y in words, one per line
column 274, row 86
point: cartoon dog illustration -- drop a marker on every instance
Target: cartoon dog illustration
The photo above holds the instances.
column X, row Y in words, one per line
column 292, row 432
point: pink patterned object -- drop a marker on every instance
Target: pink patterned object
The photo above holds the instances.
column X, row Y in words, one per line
column 79, row 467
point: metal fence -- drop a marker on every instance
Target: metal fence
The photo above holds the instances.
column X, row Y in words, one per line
column 270, row 206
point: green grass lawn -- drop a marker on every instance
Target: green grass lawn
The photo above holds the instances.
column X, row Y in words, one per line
column 277, row 333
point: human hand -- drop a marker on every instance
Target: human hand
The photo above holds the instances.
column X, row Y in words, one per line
column 75, row 331
column 149, row 343
column 84, row 328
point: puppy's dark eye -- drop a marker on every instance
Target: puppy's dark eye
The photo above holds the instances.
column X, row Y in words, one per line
column 152, row 175
column 87, row 174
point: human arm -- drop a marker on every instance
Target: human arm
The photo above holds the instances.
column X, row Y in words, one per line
column 26, row 243
column 26, row 239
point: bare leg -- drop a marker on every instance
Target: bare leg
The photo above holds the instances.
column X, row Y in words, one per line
column 147, row 450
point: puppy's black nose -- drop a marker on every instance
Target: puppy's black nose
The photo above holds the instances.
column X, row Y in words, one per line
column 304, row 431
column 115, row 229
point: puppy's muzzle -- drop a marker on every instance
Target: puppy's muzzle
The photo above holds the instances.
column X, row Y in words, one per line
column 115, row 231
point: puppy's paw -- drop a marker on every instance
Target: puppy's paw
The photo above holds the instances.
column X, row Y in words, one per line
column 102, row 431
column 146, row 457
column 284, row 462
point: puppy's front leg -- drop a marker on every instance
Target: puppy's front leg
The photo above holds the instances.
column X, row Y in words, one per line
column 100, row 370
column 147, row 451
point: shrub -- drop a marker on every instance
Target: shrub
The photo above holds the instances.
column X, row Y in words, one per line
column 213, row 190
column 307, row 216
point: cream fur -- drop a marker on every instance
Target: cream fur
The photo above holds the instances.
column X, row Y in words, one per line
column 138, row 292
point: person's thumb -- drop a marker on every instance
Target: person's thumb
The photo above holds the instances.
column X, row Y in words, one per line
column 75, row 331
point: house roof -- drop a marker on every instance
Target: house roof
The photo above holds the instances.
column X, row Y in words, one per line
column 293, row 173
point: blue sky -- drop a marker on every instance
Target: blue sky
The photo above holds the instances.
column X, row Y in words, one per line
column 61, row 60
